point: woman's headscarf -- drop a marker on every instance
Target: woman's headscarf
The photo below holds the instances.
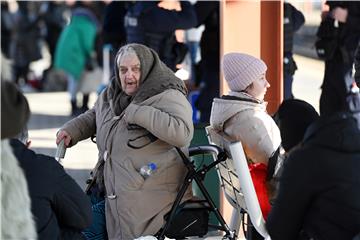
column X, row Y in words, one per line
column 155, row 78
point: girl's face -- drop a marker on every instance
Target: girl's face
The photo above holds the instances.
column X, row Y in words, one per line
column 258, row 88
column 129, row 73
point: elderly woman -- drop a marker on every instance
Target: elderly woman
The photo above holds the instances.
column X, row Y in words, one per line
column 138, row 119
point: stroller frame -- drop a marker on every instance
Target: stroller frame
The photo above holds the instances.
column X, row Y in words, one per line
column 198, row 176
column 236, row 183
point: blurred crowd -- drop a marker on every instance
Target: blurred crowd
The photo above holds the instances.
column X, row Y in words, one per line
column 133, row 50
column 80, row 39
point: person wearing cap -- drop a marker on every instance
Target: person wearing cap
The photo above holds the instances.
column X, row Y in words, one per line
column 242, row 115
column 319, row 188
column 293, row 117
column 17, row 221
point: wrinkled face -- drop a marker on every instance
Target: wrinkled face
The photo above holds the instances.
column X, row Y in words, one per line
column 129, row 73
column 258, row 88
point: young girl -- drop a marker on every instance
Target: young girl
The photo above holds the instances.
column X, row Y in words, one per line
column 242, row 115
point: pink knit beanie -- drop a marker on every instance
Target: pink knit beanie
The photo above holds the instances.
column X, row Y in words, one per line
column 240, row 70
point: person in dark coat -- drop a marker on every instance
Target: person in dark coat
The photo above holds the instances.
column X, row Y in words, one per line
column 357, row 65
column 357, row 237
column 149, row 23
column 25, row 43
column 113, row 25
column 293, row 117
column 319, row 196
column 17, row 221
column 208, row 14
column 60, row 208
column 6, row 28
column 113, row 32
column 293, row 20
column 338, row 68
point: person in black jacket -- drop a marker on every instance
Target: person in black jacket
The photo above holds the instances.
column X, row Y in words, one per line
column 60, row 208
column 357, row 65
column 152, row 24
column 319, row 190
column 338, row 68
column 293, row 20
column 208, row 14
column 357, row 237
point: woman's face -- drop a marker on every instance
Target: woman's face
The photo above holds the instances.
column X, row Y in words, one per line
column 258, row 88
column 129, row 72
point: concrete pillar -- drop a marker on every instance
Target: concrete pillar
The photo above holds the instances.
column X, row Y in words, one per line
column 256, row 28
column 272, row 50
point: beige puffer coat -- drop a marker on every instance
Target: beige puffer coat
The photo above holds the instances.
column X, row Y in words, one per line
column 247, row 121
column 135, row 206
column 145, row 131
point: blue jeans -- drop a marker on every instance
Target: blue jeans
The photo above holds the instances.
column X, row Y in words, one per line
column 72, row 86
column 97, row 230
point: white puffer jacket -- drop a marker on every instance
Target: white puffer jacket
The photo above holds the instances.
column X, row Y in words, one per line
column 245, row 119
column 16, row 217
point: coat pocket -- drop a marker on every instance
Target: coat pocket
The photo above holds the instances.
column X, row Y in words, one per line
column 139, row 137
column 129, row 179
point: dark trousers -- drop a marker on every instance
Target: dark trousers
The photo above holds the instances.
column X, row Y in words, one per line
column 288, row 80
column 336, row 84
column 209, row 90
column 21, row 72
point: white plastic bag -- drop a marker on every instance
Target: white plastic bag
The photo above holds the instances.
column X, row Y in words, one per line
column 90, row 80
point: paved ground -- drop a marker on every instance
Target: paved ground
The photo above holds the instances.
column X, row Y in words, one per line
column 308, row 79
column 51, row 110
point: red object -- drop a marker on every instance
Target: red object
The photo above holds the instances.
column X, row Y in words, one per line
column 258, row 173
column 35, row 83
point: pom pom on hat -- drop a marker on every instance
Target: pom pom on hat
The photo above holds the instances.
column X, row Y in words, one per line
column 240, row 70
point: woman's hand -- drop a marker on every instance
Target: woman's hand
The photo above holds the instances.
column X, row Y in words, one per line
column 62, row 134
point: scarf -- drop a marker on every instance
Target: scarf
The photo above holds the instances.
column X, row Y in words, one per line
column 155, row 78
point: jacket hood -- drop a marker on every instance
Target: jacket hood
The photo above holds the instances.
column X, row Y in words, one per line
column 84, row 12
column 226, row 107
column 340, row 132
